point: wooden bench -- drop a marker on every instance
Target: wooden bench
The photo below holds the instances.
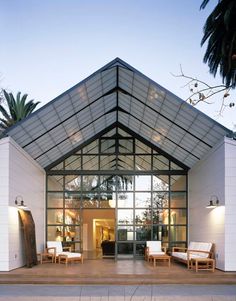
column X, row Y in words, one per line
column 195, row 250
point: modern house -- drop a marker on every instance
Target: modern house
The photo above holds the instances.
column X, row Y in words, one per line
column 119, row 158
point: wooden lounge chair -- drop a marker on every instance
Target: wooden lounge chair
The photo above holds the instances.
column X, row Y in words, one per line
column 194, row 250
column 62, row 256
column 153, row 247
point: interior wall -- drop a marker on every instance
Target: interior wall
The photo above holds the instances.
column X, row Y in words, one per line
column 26, row 178
column 207, row 178
column 230, row 204
column 88, row 216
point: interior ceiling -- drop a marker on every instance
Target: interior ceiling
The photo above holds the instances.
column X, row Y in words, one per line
column 117, row 94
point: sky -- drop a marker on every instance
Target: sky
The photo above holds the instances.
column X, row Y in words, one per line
column 48, row 46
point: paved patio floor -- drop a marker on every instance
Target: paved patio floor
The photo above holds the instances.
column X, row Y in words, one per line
column 110, row 272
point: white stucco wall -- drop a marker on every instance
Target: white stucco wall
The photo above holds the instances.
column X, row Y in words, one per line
column 4, row 197
column 207, row 178
column 215, row 175
column 230, row 205
column 21, row 176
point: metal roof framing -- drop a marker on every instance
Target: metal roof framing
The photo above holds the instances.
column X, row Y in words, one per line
column 117, row 94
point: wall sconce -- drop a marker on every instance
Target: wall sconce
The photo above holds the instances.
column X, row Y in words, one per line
column 214, row 202
column 20, row 202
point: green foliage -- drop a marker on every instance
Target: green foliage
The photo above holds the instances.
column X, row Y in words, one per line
column 220, row 33
column 15, row 109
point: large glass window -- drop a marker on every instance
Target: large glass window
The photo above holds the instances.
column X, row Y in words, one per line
column 146, row 191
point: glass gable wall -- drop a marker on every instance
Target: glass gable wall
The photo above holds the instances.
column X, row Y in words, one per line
column 146, row 190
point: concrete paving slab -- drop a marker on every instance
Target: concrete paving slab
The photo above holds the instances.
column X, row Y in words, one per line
column 118, row 293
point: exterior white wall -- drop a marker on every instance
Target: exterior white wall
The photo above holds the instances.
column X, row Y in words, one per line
column 4, row 197
column 230, row 205
column 24, row 177
column 207, row 178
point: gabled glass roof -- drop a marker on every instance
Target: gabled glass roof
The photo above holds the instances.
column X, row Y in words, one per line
column 117, row 94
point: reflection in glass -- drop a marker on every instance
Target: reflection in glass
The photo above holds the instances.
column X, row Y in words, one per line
column 90, row 162
column 55, row 183
column 72, row 233
column 178, row 200
column 125, row 248
column 55, row 233
column 125, row 183
column 108, row 146
column 160, row 216
column 108, row 183
column 91, row 148
column 72, row 217
column 73, row 163
column 143, row 162
column 178, row 233
column 90, row 200
column 125, row 216
column 55, row 216
column 107, row 200
column 125, row 162
column 160, row 232
column 73, row 183
column 143, row 216
column 142, row 199
column 147, row 204
column 143, row 183
column 160, row 162
column 125, row 146
column 125, row 233
column 125, row 200
column 108, row 162
column 55, row 200
column 160, row 200
column 90, row 183
column 143, row 233
column 140, row 249
column 160, row 183
column 58, row 167
column 178, row 183
column 72, row 200
column 178, row 216
column 141, row 148
column 174, row 166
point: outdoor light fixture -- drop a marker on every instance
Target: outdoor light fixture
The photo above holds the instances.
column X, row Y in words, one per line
column 214, row 202
column 20, row 202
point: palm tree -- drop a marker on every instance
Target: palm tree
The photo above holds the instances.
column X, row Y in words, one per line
column 220, row 32
column 16, row 109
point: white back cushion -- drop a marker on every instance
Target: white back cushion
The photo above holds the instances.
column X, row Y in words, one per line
column 154, row 246
column 201, row 246
column 55, row 244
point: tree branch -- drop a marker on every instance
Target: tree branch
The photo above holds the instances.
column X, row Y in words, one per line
column 202, row 91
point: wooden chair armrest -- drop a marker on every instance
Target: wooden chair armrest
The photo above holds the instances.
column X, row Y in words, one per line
column 196, row 251
column 179, row 249
column 164, row 249
column 51, row 248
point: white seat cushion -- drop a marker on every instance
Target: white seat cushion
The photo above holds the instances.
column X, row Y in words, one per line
column 156, row 253
column 59, row 249
column 70, row 254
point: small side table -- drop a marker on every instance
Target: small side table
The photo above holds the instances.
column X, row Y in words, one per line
column 160, row 257
column 45, row 257
column 203, row 264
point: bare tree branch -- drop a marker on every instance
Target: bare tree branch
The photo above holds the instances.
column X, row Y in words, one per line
column 200, row 91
